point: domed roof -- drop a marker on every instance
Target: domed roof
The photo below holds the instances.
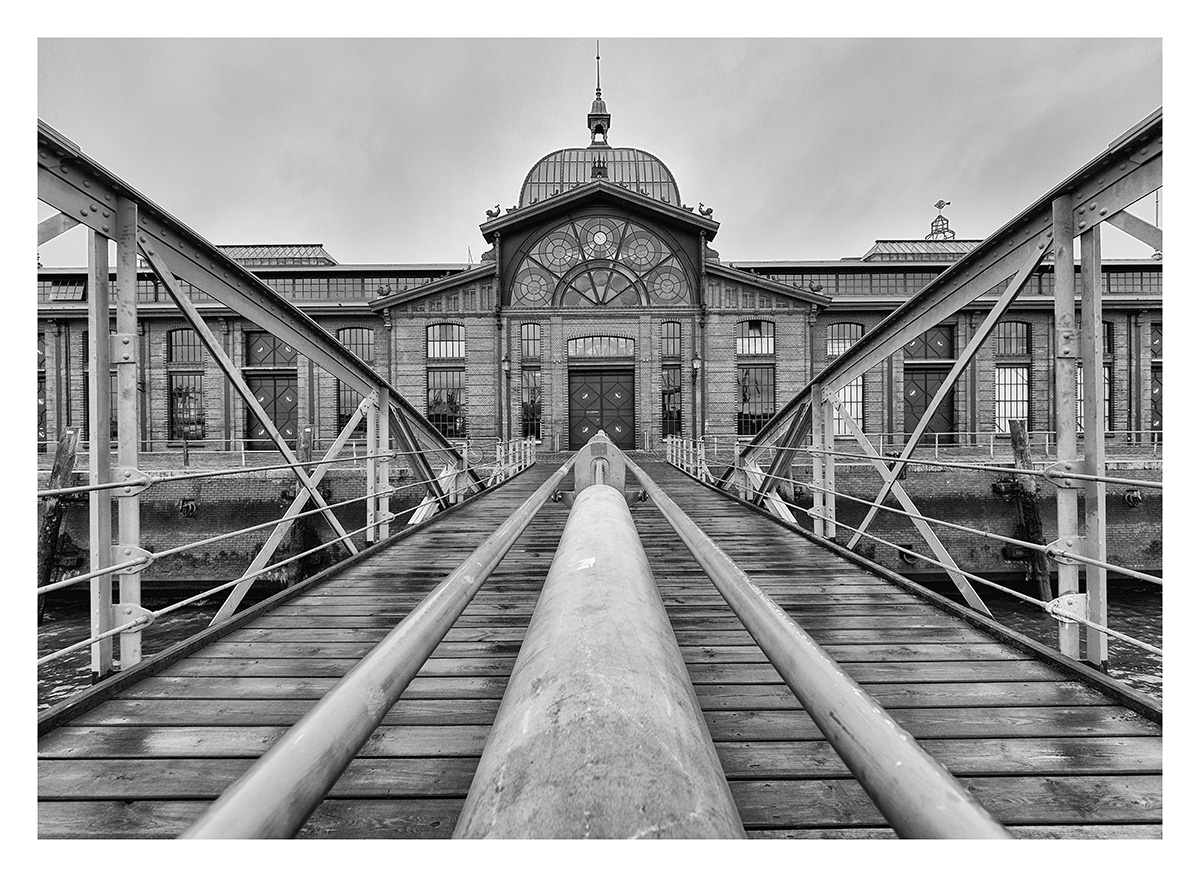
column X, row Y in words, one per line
column 566, row 169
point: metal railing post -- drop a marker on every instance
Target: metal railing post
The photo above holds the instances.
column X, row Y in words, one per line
column 99, row 463
column 383, row 480
column 1066, row 349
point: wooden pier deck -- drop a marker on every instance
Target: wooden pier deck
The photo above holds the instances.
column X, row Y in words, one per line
column 1046, row 753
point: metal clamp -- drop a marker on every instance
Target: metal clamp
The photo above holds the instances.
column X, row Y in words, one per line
column 1059, row 474
column 135, row 481
column 126, row 612
column 123, row 348
column 131, row 552
column 1069, row 607
column 1058, row 547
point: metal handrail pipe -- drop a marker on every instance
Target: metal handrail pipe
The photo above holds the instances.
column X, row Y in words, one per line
column 150, row 617
column 152, row 556
column 599, row 734
column 1048, row 607
column 1048, row 473
column 1048, row 550
column 915, row 793
column 278, row 794
column 147, row 480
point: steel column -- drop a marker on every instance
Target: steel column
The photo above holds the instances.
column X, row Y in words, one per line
column 196, row 321
column 1066, row 349
column 999, row 309
column 372, row 471
column 383, row 478
column 99, row 455
column 830, row 464
column 125, row 360
column 820, row 509
column 1095, row 516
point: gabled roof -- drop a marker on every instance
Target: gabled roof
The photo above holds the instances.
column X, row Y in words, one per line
column 404, row 296
column 278, row 255
column 766, row 284
column 602, row 190
column 918, row 250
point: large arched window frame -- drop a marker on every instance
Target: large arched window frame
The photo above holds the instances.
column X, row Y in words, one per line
column 595, row 260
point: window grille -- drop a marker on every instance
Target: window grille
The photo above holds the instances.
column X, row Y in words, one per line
column 840, row 337
column 756, row 338
column 1011, row 400
column 360, row 342
column 531, row 341
column 672, row 400
column 670, row 340
column 531, row 403
column 595, row 346
column 757, row 385
column 447, row 401
column 446, row 341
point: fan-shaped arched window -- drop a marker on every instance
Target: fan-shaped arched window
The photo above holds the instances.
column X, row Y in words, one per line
column 601, row 261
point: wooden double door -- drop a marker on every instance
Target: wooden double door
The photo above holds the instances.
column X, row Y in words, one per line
column 601, row 399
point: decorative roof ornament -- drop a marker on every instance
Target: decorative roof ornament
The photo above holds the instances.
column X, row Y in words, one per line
column 599, row 119
column 939, row 229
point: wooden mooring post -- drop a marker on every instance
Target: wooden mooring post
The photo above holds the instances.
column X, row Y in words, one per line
column 1029, row 516
column 61, row 475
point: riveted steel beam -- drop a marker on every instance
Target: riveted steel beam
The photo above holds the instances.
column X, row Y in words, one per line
column 1136, row 227
column 84, row 191
column 53, row 226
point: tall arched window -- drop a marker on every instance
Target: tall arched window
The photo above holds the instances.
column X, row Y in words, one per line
column 361, row 342
column 1012, row 374
column 672, row 374
column 1106, row 353
column 185, row 385
column 445, row 378
column 756, row 375
column 839, row 338
column 531, row 380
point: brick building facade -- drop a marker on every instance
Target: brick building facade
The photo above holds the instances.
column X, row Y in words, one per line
column 601, row 305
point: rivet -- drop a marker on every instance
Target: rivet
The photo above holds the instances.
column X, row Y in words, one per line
column 1083, row 225
column 1124, row 165
column 42, row 154
column 87, row 184
column 93, row 208
column 124, row 340
column 142, row 238
column 64, row 169
column 1145, row 150
column 104, row 228
column 1104, row 211
column 83, row 211
column 107, row 197
column 1081, row 211
column 128, row 551
column 1092, row 206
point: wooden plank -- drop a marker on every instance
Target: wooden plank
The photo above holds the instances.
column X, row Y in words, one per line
column 1044, row 756
column 432, row 687
column 162, row 713
column 916, row 694
column 1012, row 800
column 910, row 671
column 206, row 778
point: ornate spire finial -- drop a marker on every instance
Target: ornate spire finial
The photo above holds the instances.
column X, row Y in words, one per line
column 939, row 229
column 598, row 118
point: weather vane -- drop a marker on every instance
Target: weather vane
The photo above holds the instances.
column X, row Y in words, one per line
column 939, row 229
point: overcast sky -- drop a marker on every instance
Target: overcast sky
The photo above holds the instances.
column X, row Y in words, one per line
column 390, row 151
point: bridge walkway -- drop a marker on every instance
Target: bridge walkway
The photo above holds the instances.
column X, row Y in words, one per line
column 1045, row 753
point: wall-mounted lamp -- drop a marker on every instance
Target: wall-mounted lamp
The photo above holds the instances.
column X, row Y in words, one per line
column 695, row 363
column 505, row 364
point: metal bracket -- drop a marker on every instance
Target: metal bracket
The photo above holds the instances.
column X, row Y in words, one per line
column 123, row 348
column 635, row 496
column 1056, row 548
column 126, row 612
column 135, row 481
column 1069, row 607
column 1068, row 344
column 131, row 552
column 566, row 497
column 1059, row 474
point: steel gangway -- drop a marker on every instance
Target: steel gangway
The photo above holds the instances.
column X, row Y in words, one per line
column 831, row 697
